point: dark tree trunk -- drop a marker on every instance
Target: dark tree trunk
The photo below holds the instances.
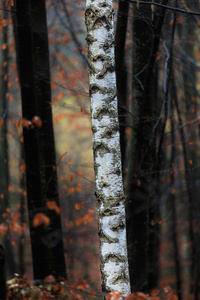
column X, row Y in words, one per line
column 189, row 187
column 48, row 173
column 22, row 217
column 2, row 274
column 4, row 163
column 140, row 155
column 173, row 205
column 41, row 178
column 188, row 33
column 141, row 185
column 122, row 74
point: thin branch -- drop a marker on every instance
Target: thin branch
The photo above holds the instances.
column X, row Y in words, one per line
column 4, row 113
column 186, row 58
column 187, row 173
column 69, row 27
column 168, row 69
column 184, row 11
column 8, row 10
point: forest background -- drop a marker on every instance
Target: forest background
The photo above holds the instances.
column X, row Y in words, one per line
column 159, row 91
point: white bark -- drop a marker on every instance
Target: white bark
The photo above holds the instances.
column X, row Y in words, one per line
column 106, row 146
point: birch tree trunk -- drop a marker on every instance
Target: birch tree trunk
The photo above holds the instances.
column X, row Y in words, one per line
column 106, row 146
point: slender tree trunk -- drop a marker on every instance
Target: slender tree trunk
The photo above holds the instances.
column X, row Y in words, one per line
column 4, row 158
column 46, row 241
column 173, row 205
column 106, row 146
column 141, row 206
column 138, row 186
column 47, row 155
column 122, row 74
column 2, row 274
column 22, row 216
column 188, row 34
column 189, row 187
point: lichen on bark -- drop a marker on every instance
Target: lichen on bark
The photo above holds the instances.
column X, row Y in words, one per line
column 106, row 146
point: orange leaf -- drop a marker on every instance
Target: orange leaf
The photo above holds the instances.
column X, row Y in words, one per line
column 180, row 20
column 37, row 121
column 52, row 205
column 19, row 123
column 11, row 98
column 167, row 289
column 78, row 189
column 70, row 190
column 25, row 123
column 11, row 188
column 130, row 297
column 71, row 177
column 113, row 295
column 82, row 203
column 53, row 86
column 172, row 297
column 4, row 46
column 141, row 296
column 5, row 23
column 155, row 292
column 1, row 123
column 56, row 288
column 59, row 96
column 50, row 278
column 40, row 219
column 15, row 227
column 173, row 191
column 3, row 229
column 77, row 206
column 79, row 221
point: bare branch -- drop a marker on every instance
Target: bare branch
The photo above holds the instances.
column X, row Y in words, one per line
column 184, row 11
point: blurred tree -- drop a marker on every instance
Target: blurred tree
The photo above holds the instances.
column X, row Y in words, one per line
column 141, row 202
column 41, row 178
column 4, row 158
column 2, row 274
column 122, row 75
column 163, row 160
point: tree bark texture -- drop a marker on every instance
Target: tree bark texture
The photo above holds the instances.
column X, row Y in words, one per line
column 4, row 159
column 122, row 74
column 190, row 78
column 47, row 159
column 106, row 146
column 41, row 179
column 2, row 274
column 142, row 205
column 139, row 186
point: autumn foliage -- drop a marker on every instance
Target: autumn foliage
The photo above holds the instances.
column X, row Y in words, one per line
column 22, row 289
column 175, row 134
